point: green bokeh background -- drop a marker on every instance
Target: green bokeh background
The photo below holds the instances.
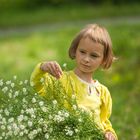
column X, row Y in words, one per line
column 34, row 32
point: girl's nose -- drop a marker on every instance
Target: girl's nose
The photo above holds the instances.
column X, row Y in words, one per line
column 86, row 59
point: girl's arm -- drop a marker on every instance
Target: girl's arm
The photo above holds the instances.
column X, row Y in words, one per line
column 106, row 109
column 42, row 72
column 52, row 67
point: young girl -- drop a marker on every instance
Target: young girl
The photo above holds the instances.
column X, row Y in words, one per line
column 91, row 49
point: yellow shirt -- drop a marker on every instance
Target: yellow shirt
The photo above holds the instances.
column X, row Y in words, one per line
column 91, row 97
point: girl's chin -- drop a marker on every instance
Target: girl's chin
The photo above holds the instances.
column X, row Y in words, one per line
column 85, row 70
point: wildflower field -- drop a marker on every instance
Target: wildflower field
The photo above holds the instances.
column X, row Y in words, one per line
column 24, row 112
column 26, row 115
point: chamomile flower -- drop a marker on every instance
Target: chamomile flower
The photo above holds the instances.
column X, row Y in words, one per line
column 1, row 82
column 46, row 136
column 42, row 80
column 12, row 85
column 8, row 82
column 33, row 117
column 65, row 65
column 54, row 102
column 33, row 100
column 30, row 123
column 74, row 107
column 26, row 81
column 5, row 89
column 24, row 90
column 41, row 103
column 14, row 77
column 21, row 83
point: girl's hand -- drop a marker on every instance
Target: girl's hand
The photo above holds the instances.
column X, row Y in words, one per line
column 52, row 67
column 109, row 136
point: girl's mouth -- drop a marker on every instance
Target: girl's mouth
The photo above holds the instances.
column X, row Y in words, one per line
column 87, row 66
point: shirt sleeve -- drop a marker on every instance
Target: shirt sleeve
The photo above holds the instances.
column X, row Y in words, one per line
column 106, row 110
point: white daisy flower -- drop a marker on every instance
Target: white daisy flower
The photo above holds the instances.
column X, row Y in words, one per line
column 74, row 107
column 47, row 136
column 6, row 112
column 32, row 84
column 41, row 103
column 42, row 80
column 66, row 114
column 54, row 102
column 12, row 85
column 8, row 82
column 26, row 81
column 14, row 77
column 3, row 127
column 33, row 100
column 5, row 89
column 44, row 109
column 64, row 65
column 21, row 83
column 10, row 120
column 24, row 90
column 1, row 82
column 30, row 123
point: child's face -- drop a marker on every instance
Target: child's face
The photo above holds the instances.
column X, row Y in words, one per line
column 89, row 55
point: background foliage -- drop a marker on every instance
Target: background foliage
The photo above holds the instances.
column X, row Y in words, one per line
column 30, row 34
column 37, row 3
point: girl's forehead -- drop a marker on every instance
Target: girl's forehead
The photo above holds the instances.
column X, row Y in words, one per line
column 88, row 44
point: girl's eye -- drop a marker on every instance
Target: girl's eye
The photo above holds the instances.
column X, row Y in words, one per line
column 94, row 56
column 82, row 52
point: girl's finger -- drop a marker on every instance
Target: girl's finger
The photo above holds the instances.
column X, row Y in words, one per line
column 53, row 70
column 107, row 136
column 58, row 68
column 48, row 68
column 112, row 137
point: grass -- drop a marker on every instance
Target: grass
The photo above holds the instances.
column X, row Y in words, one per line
column 19, row 53
column 28, row 17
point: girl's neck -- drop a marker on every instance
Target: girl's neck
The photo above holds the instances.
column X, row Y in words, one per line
column 84, row 76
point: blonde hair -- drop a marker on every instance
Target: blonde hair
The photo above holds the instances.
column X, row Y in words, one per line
column 99, row 35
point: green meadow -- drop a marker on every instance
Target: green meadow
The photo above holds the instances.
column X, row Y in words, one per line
column 26, row 40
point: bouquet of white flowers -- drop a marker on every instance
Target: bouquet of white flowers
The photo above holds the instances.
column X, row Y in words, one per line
column 24, row 114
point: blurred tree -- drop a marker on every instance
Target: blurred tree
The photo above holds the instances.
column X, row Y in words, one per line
column 124, row 1
column 37, row 3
